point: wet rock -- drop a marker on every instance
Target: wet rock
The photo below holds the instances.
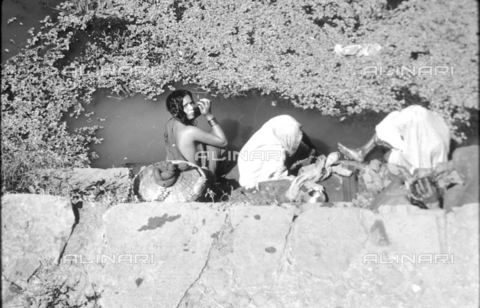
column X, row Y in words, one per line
column 270, row 249
column 35, row 228
column 378, row 234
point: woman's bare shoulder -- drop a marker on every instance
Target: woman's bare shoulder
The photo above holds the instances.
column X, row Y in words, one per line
column 188, row 130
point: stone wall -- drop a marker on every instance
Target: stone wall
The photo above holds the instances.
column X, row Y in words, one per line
column 239, row 255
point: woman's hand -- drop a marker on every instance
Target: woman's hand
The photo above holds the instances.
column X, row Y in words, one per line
column 205, row 107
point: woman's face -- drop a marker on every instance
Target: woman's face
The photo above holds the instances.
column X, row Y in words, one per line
column 188, row 107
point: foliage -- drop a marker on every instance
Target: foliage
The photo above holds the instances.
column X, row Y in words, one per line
column 58, row 286
column 56, row 182
column 229, row 47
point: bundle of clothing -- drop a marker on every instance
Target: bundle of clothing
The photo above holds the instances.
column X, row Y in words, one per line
column 309, row 177
column 165, row 173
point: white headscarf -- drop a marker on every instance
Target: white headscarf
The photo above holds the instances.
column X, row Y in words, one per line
column 417, row 135
column 263, row 156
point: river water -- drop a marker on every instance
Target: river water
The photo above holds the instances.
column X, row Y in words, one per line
column 134, row 127
column 27, row 14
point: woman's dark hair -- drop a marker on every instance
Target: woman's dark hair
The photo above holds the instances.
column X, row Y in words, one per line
column 175, row 106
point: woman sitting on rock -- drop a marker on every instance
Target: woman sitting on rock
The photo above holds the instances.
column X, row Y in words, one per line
column 184, row 140
column 418, row 139
column 264, row 156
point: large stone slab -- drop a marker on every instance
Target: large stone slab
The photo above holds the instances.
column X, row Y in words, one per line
column 243, row 266
column 35, row 228
column 154, row 252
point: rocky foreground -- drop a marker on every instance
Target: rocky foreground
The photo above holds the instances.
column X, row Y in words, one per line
column 99, row 254
column 237, row 255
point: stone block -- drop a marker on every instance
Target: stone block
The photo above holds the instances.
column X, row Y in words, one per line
column 154, row 252
column 244, row 263
column 34, row 228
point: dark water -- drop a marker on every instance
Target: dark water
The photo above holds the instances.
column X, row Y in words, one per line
column 28, row 14
column 134, row 127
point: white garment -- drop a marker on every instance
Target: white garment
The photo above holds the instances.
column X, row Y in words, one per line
column 262, row 158
column 417, row 135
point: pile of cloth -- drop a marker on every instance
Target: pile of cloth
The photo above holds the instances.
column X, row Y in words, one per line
column 165, row 173
column 309, row 177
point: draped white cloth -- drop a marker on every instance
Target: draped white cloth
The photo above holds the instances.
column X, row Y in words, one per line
column 263, row 156
column 418, row 136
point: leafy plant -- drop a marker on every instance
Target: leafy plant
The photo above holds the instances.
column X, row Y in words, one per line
column 58, row 286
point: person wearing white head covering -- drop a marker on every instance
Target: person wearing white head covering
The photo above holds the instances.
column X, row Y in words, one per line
column 418, row 138
column 263, row 156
